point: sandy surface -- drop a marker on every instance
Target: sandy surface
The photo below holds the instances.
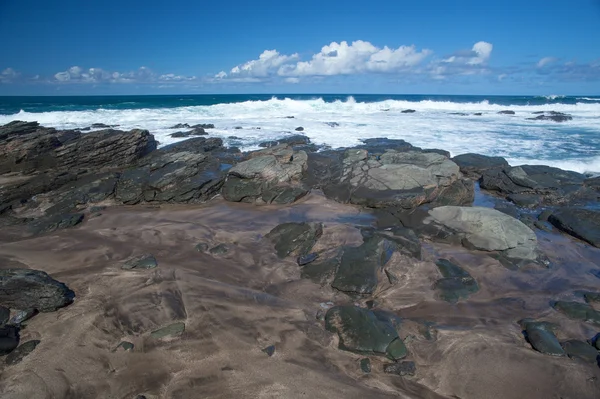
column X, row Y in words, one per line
column 236, row 304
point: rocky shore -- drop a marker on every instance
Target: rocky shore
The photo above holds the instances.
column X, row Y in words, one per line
column 382, row 270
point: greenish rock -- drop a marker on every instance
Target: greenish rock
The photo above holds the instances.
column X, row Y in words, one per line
column 220, row 249
column 449, row 269
column 361, row 266
column 23, row 316
column 580, row 350
column 146, row 261
column 21, row 352
column 456, row 288
column 304, row 260
column 56, row 222
column 365, row 365
column 126, row 346
column 578, row 311
column 269, row 350
column 321, row 272
column 295, row 238
column 397, row 350
column 542, row 338
column 592, row 297
column 360, row 331
column 406, row 240
column 172, row 330
column 96, row 209
column 202, row 247
column 402, row 368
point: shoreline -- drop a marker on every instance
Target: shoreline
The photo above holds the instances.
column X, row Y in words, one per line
column 237, row 296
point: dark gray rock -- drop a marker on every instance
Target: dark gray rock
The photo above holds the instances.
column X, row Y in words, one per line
column 4, row 315
column 295, row 238
column 542, row 338
column 507, row 112
column 360, row 267
column 360, row 331
column 553, row 185
column 178, row 135
column 33, row 289
column 473, row 165
column 180, row 126
column 203, row 126
column 332, row 124
column 9, row 339
column 581, row 350
column 406, row 240
column 220, row 249
column 304, row 260
column 408, row 111
column 202, row 247
column 21, row 352
column 365, row 365
column 322, row 271
column 296, row 140
column 56, row 222
column 141, row 262
column 299, row 129
column 401, row 368
column 552, row 116
column 269, row 350
column 581, row 223
column 22, row 316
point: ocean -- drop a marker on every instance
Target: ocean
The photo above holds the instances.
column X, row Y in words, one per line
column 439, row 121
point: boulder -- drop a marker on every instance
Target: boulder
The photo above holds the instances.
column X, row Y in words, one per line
column 360, row 267
column 488, row 230
column 360, row 331
column 9, row 339
column 581, row 350
column 272, row 176
column 295, row 238
column 21, row 352
column 581, row 223
column 33, row 289
column 542, row 338
column 473, row 165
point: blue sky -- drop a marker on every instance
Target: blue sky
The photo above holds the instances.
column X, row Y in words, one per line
column 265, row 46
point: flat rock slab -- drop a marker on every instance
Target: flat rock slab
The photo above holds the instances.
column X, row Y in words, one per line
column 578, row 311
column 488, row 230
column 146, row 261
column 360, row 331
column 295, row 238
column 457, row 283
column 360, row 267
column 56, row 222
column 581, row 223
column 21, row 352
column 171, row 330
column 33, row 289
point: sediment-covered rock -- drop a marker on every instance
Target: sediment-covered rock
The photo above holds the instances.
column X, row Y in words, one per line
column 32, row 289
column 295, row 238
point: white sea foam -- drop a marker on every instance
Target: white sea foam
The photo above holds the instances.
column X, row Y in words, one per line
column 573, row 145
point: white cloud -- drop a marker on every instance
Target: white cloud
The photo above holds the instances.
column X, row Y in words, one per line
column 266, row 63
column 76, row 74
column 545, row 61
column 358, row 57
column 464, row 62
column 9, row 75
column 292, row 80
column 483, row 51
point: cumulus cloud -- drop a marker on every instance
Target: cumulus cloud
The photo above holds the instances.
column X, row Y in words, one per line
column 464, row 62
column 268, row 61
column 9, row 75
column 545, row 61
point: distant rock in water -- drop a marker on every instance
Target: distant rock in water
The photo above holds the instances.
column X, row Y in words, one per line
column 299, row 129
column 203, row 126
column 551, row 116
column 408, row 111
column 506, row 112
column 294, row 140
column 33, row 289
column 180, row 126
column 332, row 124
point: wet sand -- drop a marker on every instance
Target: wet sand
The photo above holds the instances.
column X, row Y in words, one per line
column 238, row 303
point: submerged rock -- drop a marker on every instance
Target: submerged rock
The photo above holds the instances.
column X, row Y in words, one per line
column 220, row 249
column 401, row 368
column 269, row 350
column 552, row 116
column 295, row 238
column 4, row 315
column 360, row 331
column 52, row 223
column 365, row 365
column 578, row 311
column 542, row 338
column 306, row 259
column 125, row 345
column 581, row 350
column 171, row 330
column 360, row 267
column 145, row 261
column 457, row 283
column 21, row 352
column 406, row 240
column 581, row 223
column 33, row 289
